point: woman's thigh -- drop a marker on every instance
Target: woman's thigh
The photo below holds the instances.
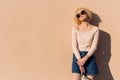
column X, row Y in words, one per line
column 75, row 76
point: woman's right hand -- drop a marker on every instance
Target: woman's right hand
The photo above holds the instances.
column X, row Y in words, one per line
column 82, row 69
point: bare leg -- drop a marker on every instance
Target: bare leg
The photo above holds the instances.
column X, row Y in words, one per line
column 75, row 76
column 91, row 77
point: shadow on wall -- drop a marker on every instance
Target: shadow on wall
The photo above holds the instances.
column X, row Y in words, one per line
column 103, row 53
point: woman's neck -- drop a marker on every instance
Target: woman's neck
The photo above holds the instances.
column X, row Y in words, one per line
column 84, row 24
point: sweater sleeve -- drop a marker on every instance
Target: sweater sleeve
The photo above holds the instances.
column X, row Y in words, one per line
column 74, row 44
column 94, row 43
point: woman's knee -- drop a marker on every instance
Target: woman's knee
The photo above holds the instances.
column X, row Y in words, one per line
column 76, row 76
column 91, row 77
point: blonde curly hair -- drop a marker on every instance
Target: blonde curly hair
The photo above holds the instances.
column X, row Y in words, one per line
column 89, row 14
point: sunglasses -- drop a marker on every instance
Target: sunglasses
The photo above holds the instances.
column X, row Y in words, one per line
column 81, row 13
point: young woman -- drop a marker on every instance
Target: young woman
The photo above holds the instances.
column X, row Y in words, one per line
column 85, row 37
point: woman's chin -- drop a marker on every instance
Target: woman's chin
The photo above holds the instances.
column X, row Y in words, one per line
column 82, row 20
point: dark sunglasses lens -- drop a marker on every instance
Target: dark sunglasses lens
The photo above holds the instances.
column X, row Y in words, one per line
column 83, row 12
column 78, row 15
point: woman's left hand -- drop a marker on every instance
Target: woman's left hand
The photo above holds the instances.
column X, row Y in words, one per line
column 81, row 62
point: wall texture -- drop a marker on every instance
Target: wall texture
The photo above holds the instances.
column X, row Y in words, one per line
column 35, row 38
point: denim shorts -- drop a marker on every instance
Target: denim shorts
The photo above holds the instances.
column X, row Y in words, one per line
column 90, row 65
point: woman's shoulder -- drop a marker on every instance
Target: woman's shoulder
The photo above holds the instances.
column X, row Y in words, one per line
column 95, row 27
column 74, row 28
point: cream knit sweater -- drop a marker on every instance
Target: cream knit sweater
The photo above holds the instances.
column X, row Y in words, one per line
column 85, row 41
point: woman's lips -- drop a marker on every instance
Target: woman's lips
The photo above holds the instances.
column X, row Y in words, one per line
column 81, row 16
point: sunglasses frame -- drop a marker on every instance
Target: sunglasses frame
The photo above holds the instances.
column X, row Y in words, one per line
column 81, row 13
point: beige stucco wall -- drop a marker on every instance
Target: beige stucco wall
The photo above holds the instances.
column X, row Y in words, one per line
column 35, row 38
